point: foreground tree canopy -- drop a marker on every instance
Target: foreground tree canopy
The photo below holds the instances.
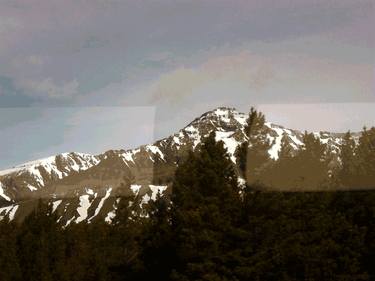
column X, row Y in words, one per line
column 210, row 228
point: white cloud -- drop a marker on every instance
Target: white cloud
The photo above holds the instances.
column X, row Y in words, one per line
column 243, row 70
column 265, row 78
column 47, row 88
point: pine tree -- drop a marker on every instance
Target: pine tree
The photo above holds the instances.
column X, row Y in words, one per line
column 79, row 253
column 347, row 173
column 252, row 154
column 311, row 164
column 277, row 175
column 286, row 150
column 365, row 155
column 313, row 148
column 10, row 267
column 205, row 210
column 41, row 244
column 127, row 230
column 306, row 170
column 157, row 248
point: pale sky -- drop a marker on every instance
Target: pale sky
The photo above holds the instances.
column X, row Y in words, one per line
column 308, row 64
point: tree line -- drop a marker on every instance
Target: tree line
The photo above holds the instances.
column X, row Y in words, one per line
column 210, row 227
column 315, row 166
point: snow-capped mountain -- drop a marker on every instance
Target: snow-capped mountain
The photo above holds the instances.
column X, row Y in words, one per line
column 83, row 187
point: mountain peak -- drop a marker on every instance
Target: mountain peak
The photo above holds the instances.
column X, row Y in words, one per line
column 219, row 117
column 65, row 176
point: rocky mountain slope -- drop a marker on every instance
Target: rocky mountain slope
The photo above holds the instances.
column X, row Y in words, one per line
column 83, row 187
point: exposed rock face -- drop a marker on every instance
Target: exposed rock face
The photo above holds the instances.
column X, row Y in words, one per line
column 83, row 187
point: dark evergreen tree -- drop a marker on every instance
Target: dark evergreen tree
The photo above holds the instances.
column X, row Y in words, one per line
column 9, row 265
column 308, row 169
column 347, row 172
column 277, row 175
column 300, row 236
column 252, row 154
column 157, row 248
column 365, row 156
column 78, row 254
column 205, row 213
column 127, row 230
column 41, row 247
column 286, row 149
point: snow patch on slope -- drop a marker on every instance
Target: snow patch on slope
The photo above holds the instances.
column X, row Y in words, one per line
column 12, row 212
column 90, row 192
column 241, row 119
column 176, row 140
column 9, row 211
column 84, row 205
column 101, row 203
column 55, row 204
column 31, row 187
column 112, row 214
column 145, row 199
column 193, row 134
column 229, row 143
column 155, row 150
column 135, row 188
column 128, row 156
column 2, row 193
column 156, row 189
column 223, row 113
column 297, row 143
column 274, row 150
column 72, row 162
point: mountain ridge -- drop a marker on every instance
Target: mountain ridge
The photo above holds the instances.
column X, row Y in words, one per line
column 146, row 169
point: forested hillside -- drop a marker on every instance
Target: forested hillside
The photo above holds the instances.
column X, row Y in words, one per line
column 211, row 227
column 315, row 166
column 269, row 157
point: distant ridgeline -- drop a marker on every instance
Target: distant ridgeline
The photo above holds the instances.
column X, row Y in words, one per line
column 314, row 166
column 210, row 227
column 268, row 157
